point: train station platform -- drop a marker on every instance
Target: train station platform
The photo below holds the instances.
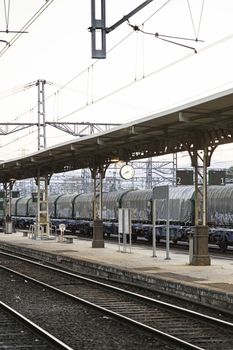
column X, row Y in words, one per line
column 210, row 285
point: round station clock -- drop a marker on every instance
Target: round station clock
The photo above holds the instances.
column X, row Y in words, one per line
column 127, row 172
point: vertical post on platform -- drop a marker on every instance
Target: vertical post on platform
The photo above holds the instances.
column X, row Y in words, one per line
column 124, row 229
column 97, row 198
column 95, row 215
column 200, row 162
column 101, row 198
column 154, row 227
column 8, row 195
column 98, row 174
column 196, row 195
column 167, row 229
column 162, row 192
column 204, row 206
column 174, row 168
column 42, row 218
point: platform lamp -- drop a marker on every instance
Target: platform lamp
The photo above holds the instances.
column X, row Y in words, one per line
column 115, row 159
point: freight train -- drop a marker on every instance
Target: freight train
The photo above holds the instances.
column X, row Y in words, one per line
column 76, row 212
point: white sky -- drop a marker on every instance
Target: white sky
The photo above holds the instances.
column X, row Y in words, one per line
column 58, row 49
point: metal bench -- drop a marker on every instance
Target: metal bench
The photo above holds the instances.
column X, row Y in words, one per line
column 25, row 233
column 69, row 239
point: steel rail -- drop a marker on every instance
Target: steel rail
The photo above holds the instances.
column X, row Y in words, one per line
column 165, row 336
column 123, row 291
column 58, row 344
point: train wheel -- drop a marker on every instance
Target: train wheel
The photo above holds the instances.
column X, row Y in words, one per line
column 223, row 245
column 86, row 231
column 133, row 238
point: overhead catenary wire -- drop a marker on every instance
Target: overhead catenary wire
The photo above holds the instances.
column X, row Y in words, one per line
column 191, row 15
column 169, row 65
column 134, row 81
column 196, row 32
column 154, row 13
column 85, row 70
column 7, row 14
column 162, row 37
column 125, row 86
column 113, row 48
column 200, row 19
column 25, row 26
column 15, row 90
column 167, row 38
column 128, row 85
column 90, row 68
column 23, row 88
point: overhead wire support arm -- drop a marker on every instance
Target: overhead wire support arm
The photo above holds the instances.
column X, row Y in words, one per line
column 167, row 37
column 72, row 128
column 11, row 128
column 175, row 43
column 126, row 17
column 98, row 26
column 13, row 31
column 82, row 128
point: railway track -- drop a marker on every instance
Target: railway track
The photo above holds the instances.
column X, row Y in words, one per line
column 180, row 327
column 19, row 332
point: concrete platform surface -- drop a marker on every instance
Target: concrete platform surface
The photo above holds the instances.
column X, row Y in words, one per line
column 219, row 275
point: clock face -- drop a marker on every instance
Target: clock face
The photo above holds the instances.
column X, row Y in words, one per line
column 127, row 172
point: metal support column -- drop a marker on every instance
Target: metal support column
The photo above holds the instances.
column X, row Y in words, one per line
column 98, row 30
column 42, row 229
column 149, row 174
column 86, row 180
column 174, row 169
column 200, row 162
column 98, row 174
column 41, row 115
column 7, row 205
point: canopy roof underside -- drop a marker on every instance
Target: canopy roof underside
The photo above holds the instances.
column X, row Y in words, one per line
column 203, row 123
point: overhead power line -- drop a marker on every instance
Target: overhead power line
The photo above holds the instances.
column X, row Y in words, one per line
column 25, row 26
column 166, row 37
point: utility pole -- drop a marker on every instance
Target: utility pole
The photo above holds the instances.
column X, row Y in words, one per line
column 41, row 114
column 42, row 180
column 98, row 26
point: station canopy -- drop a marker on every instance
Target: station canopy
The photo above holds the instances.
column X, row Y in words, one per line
column 206, row 122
